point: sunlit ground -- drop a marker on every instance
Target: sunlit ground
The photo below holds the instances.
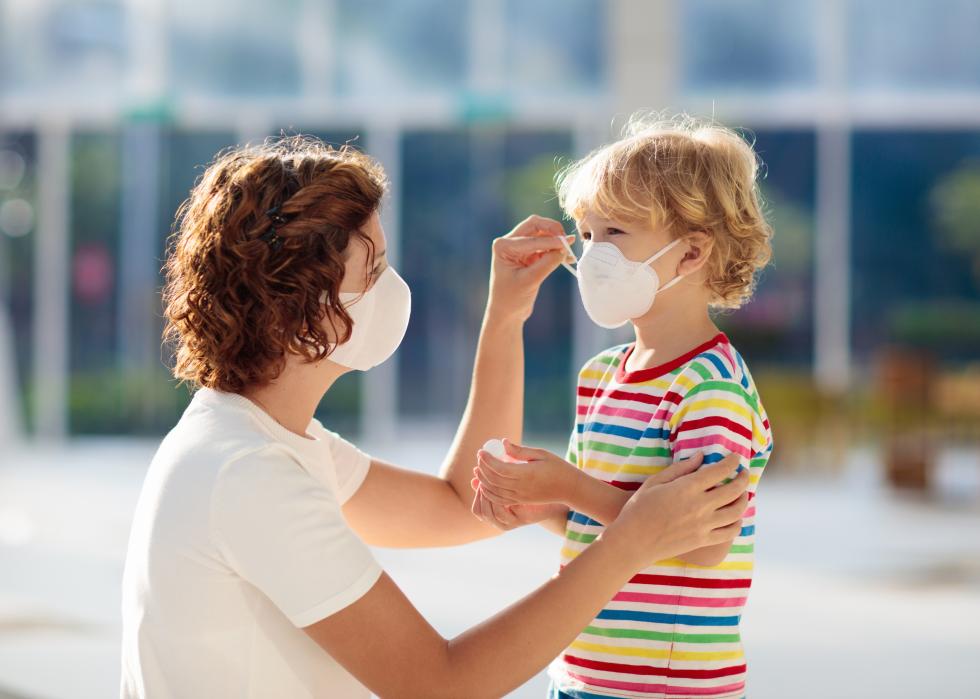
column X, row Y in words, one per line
column 858, row 593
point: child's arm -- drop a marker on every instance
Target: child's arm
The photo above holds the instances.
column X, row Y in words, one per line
column 545, row 477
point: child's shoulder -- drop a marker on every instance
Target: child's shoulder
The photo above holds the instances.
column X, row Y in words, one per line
column 717, row 366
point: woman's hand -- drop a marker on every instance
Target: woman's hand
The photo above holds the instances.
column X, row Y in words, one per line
column 543, row 478
column 522, row 259
column 662, row 520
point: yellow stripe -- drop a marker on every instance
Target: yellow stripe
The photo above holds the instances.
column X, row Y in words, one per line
column 610, row 467
column 725, row 565
column 737, row 408
column 650, row 653
column 592, row 374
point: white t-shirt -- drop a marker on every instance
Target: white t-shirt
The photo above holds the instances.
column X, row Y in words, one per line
column 238, row 542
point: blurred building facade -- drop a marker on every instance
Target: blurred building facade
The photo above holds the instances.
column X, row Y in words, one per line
column 866, row 113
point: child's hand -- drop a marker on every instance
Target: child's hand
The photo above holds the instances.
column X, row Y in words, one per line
column 545, row 478
column 507, row 517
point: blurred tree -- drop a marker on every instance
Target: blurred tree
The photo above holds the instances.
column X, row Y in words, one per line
column 956, row 206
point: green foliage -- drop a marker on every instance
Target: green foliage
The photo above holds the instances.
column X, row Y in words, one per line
column 956, row 205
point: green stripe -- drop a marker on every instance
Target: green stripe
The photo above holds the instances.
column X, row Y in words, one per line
column 742, row 548
column 583, row 538
column 664, row 635
column 730, row 386
column 628, row 451
column 704, row 373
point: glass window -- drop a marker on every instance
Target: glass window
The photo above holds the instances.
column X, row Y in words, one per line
column 914, row 44
column 460, row 190
column 95, row 385
column 916, row 242
column 556, row 45
column 746, row 44
column 17, row 227
column 74, row 46
column 385, row 46
column 247, row 47
column 776, row 326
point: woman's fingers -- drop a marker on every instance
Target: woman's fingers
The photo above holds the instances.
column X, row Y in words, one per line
column 526, row 250
column 726, row 533
column 729, row 492
column 535, row 225
column 708, row 477
column 679, row 468
column 732, row 512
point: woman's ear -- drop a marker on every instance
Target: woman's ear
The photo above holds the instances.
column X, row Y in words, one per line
column 699, row 245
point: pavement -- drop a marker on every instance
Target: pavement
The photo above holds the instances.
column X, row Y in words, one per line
column 859, row 592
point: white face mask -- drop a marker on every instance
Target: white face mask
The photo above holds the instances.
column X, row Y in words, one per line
column 380, row 317
column 614, row 289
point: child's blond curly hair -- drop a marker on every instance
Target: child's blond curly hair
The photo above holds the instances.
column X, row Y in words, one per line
column 685, row 175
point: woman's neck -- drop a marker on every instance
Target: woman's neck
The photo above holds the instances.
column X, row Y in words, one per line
column 292, row 398
column 668, row 332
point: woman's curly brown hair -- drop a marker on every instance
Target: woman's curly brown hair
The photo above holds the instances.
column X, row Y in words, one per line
column 240, row 294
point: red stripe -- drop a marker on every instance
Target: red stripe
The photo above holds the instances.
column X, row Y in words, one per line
column 715, row 421
column 623, row 376
column 627, row 485
column 585, row 392
column 682, row 581
column 657, row 671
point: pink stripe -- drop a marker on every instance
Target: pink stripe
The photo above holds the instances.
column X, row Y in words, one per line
column 713, row 440
column 685, row 601
column 749, row 512
column 624, row 412
column 651, row 688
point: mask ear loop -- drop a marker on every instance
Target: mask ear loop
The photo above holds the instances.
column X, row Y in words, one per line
column 566, row 265
column 660, row 253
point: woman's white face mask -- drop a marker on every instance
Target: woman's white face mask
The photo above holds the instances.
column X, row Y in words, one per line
column 380, row 317
column 614, row 289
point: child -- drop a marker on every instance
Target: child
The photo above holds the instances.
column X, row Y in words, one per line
column 672, row 226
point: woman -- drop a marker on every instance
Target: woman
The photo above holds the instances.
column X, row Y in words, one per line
column 249, row 573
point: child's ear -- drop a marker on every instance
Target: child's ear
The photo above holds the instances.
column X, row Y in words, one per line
column 698, row 250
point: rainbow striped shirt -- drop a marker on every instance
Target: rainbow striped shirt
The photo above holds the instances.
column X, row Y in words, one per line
column 672, row 631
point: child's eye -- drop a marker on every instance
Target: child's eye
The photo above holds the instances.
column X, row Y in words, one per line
column 586, row 235
column 615, row 231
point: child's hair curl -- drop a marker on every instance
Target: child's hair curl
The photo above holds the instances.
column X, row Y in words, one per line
column 684, row 175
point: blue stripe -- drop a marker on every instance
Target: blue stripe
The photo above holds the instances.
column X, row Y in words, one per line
column 741, row 365
column 622, row 431
column 747, row 531
column 658, row 618
column 579, row 518
column 555, row 693
column 719, row 365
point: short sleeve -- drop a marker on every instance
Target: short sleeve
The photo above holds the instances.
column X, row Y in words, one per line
column 282, row 530
column 718, row 417
column 571, row 453
column 351, row 465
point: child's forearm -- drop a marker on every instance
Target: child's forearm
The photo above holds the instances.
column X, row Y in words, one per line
column 596, row 499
